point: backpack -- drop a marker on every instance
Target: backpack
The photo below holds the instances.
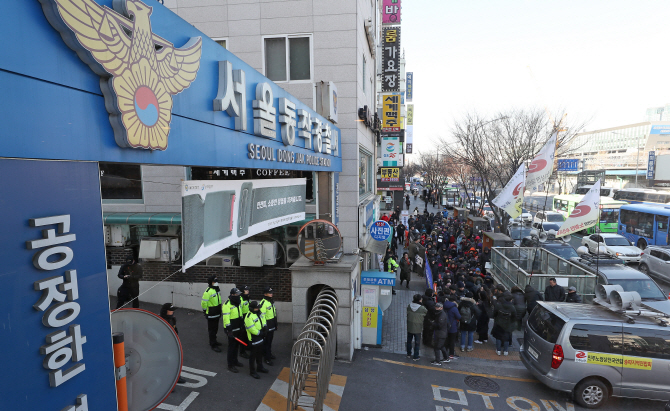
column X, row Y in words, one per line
column 466, row 314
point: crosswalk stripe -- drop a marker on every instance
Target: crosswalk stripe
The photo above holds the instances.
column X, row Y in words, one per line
column 276, row 397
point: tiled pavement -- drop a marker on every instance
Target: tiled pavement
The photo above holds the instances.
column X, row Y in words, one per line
column 394, row 331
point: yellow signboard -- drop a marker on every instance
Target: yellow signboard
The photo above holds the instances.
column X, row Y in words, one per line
column 370, row 317
column 410, row 115
column 615, row 360
column 391, row 113
column 390, row 174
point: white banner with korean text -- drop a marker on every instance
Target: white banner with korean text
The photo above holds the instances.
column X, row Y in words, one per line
column 585, row 214
column 510, row 198
column 217, row 214
column 542, row 166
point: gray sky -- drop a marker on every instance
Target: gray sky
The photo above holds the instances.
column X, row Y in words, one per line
column 603, row 60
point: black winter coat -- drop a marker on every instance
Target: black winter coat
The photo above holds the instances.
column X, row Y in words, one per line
column 476, row 312
column 573, row 298
column 441, row 324
column 429, row 303
column 519, row 304
column 532, row 296
column 555, row 293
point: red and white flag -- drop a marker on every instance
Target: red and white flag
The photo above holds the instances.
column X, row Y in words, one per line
column 510, row 198
column 585, row 214
column 542, row 166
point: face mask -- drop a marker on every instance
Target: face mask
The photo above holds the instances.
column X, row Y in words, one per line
column 215, row 284
column 235, row 299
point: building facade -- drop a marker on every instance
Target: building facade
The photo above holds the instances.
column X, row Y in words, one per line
column 623, row 150
column 299, row 44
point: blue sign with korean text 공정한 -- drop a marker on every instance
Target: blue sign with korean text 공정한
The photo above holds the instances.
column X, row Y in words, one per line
column 380, row 230
column 56, row 330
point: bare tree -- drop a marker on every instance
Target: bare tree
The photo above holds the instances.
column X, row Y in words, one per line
column 489, row 151
column 433, row 169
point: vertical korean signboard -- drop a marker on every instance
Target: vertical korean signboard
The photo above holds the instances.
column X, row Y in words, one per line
column 410, row 87
column 391, row 115
column 651, row 165
column 391, row 12
column 391, row 59
column 409, row 130
column 391, row 155
column 57, row 331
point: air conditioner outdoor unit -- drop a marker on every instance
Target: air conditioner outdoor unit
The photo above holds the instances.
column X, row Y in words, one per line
column 159, row 249
column 117, row 235
column 292, row 253
column 292, row 233
column 269, row 253
column 167, row 230
column 220, row 260
column 251, row 254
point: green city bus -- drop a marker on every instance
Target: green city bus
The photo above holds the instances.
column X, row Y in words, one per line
column 609, row 211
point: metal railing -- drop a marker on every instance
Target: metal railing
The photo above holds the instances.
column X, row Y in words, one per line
column 313, row 355
column 520, row 266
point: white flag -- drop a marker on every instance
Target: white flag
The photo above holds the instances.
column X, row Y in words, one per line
column 542, row 166
column 510, row 198
column 585, row 214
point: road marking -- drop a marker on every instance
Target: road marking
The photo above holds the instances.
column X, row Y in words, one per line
column 276, row 397
column 190, row 373
column 197, row 371
column 426, row 367
column 181, row 407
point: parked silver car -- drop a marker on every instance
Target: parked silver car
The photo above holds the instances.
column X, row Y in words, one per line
column 655, row 261
column 595, row 353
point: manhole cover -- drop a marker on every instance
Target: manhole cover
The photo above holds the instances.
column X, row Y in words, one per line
column 482, row 384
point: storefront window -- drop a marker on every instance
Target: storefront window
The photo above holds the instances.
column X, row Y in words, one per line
column 365, row 173
column 121, row 183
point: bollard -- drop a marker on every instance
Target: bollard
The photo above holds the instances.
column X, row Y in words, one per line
column 120, row 371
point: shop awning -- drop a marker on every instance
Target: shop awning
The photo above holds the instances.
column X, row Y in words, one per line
column 142, row 218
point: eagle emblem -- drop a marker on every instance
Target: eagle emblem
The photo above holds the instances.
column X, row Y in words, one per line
column 140, row 71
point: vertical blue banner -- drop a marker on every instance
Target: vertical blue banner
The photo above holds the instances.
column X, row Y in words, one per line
column 429, row 273
column 56, row 331
column 410, row 86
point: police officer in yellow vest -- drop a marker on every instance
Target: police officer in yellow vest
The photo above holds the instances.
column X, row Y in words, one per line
column 256, row 331
column 269, row 313
column 244, row 349
column 233, row 322
column 392, row 266
column 211, row 307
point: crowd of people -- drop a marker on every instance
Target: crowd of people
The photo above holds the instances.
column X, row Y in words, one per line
column 464, row 298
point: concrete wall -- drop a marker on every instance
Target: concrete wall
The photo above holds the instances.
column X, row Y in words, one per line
column 184, row 295
column 340, row 277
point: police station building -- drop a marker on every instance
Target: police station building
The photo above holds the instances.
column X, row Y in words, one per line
column 128, row 132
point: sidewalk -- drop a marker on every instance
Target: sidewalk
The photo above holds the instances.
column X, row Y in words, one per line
column 394, row 331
